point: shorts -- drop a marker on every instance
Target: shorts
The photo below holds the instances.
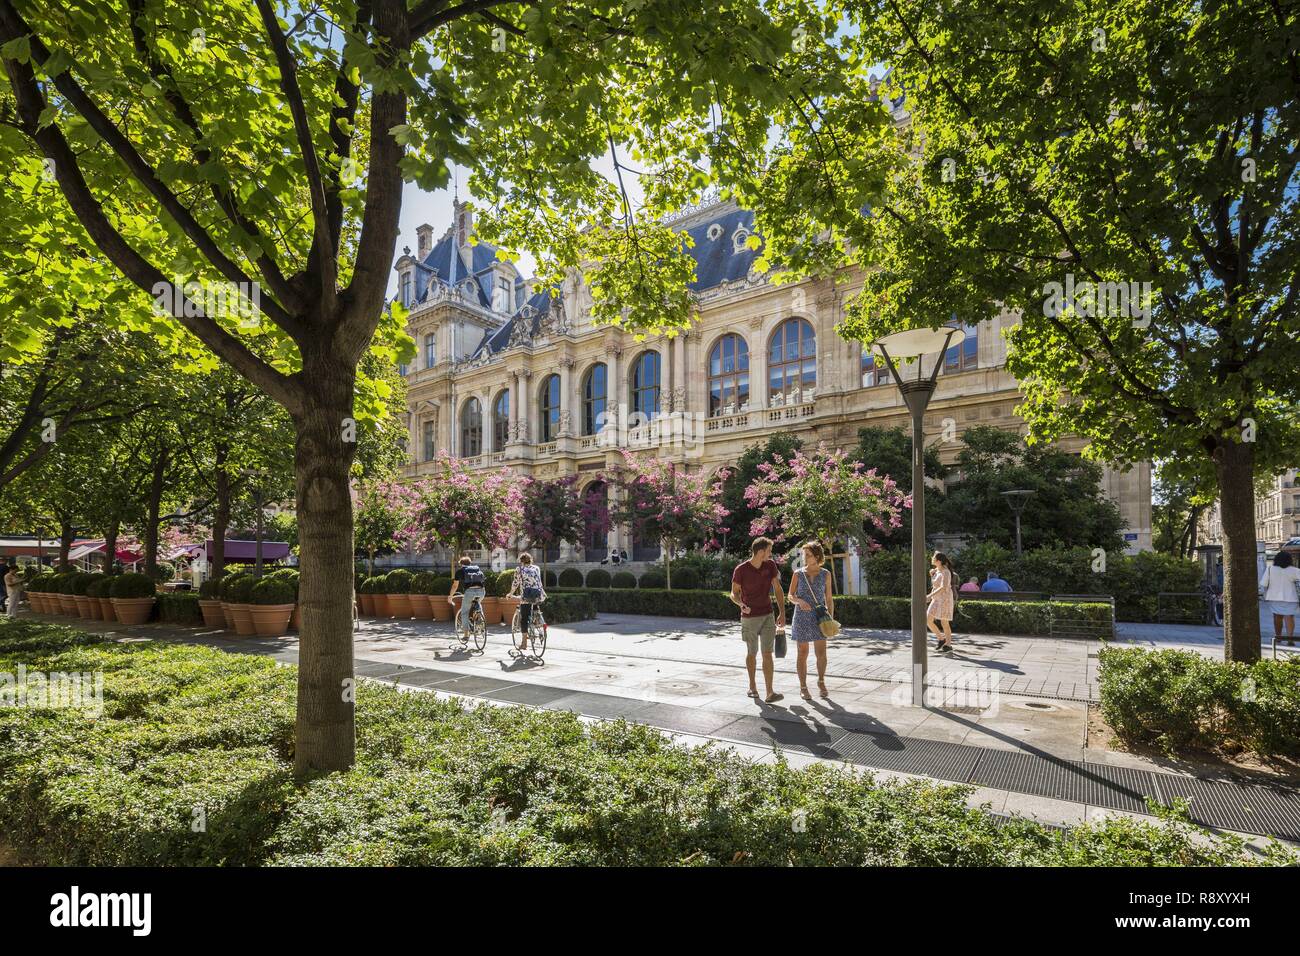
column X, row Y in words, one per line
column 752, row 629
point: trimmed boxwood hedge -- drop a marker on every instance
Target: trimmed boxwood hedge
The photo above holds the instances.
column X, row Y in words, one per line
column 622, row 579
column 597, row 578
column 398, row 581
column 977, row 617
column 100, row 587
column 1181, row 700
column 570, row 578
column 133, row 585
column 653, row 578
column 180, row 607
column 185, row 726
column 566, row 607
column 423, row 583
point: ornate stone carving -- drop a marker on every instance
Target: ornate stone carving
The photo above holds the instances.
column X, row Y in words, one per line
column 566, row 420
column 678, row 399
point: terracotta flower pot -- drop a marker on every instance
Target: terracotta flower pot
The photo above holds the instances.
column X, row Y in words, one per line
column 132, row 610
column 270, row 620
column 295, row 619
column 399, row 606
column 212, row 616
column 36, row 600
column 367, row 604
column 421, row 608
column 381, row 606
column 243, row 615
column 442, row 609
column 508, row 607
column 68, row 605
column 492, row 610
column 106, row 611
column 83, row 606
column 228, row 615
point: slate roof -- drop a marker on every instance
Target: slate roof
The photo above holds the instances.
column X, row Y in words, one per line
column 451, row 268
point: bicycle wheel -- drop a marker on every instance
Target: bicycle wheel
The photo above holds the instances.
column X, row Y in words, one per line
column 478, row 627
column 516, row 635
column 537, row 635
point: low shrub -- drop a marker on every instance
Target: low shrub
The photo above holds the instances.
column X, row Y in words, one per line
column 441, row 584
column 598, row 578
column 272, row 590
column 210, row 589
column 289, row 576
column 438, row 782
column 398, row 581
column 549, row 580
column 423, row 583
column 81, row 581
column 132, row 585
column 63, row 581
column 623, row 580
column 180, row 607
column 1181, row 700
column 238, row 588
column 654, row 578
column 685, row 578
column 567, row 607
column 570, row 578
column 100, row 587
column 500, row 585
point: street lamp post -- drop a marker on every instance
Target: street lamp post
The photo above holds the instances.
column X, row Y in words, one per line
column 915, row 344
column 1016, row 500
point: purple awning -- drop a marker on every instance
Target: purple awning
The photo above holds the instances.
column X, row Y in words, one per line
column 247, row 550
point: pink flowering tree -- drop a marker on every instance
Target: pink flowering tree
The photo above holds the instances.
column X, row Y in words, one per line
column 826, row 496
column 662, row 502
column 459, row 509
column 384, row 517
column 552, row 513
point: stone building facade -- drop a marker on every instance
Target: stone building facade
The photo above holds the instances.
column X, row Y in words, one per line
column 509, row 378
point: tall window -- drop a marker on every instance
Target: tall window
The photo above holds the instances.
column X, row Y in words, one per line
column 471, row 429
column 550, row 402
column 728, row 375
column 594, row 392
column 403, row 369
column 792, row 363
column 430, row 350
column 501, row 421
column 645, row 385
column 874, row 371
column 408, row 289
column 430, row 440
column 964, row 356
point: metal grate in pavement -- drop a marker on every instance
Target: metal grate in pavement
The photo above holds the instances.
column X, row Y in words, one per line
column 1254, row 809
column 931, row 758
column 785, row 734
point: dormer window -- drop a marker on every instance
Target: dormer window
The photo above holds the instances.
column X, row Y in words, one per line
column 738, row 239
column 408, row 289
column 715, row 230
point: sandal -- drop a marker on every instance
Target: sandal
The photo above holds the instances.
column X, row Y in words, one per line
column 822, row 691
column 753, row 694
column 773, row 697
column 803, row 692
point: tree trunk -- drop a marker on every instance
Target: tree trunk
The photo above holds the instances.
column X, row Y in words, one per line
column 220, row 517
column 668, row 562
column 1235, row 464
column 65, row 543
column 325, row 731
column 110, row 547
column 157, row 484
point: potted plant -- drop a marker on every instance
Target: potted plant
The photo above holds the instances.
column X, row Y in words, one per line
column 508, row 605
column 133, row 597
column 210, row 603
column 398, row 586
column 379, row 585
column 290, row 576
column 442, row 609
column 491, row 603
column 224, row 585
column 67, row 600
column 36, row 593
column 99, row 591
column 422, row 595
column 272, row 605
column 366, row 596
column 239, row 600
column 87, row 606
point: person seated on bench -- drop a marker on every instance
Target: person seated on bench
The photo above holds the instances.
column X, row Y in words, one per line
column 972, row 585
column 995, row 583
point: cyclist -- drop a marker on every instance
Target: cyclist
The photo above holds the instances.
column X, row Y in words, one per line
column 528, row 585
column 470, row 580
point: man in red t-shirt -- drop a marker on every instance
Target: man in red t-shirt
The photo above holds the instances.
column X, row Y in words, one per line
column 752, row 584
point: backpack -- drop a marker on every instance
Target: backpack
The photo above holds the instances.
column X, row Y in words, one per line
column 473, row 576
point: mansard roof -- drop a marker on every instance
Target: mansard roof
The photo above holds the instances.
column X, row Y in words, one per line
column 443, row 265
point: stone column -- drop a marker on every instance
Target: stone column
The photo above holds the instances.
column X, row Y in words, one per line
column 757, row 366
column 567, row 406
column 680, row 378
column 613, row 385
column 525, row 405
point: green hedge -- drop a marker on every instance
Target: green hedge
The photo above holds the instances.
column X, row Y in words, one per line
column 570, row 578
column 598, row 578
column 564, row 608
column 1181, row 700
column 654, row 578
column 180, row 607
column 1133, row 580
column 441, row 783
column 133, row 585
column 623, row 580
column 976, row 617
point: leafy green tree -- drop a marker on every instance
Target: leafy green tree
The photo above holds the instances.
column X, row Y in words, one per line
column 740, row 515
column 552, row 513
column 265, row 160
column 1179, row 502
column 889, row 451
column 1067, row 507
column 1123, row 176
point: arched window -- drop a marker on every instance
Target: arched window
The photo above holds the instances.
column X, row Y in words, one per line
column 594, row 393
column 501, row 421
column 728, row 375
column 965, row 356
column 595, row 514
column 471, row 429
column 645, row 385
column 792, row 363
column 550, row 403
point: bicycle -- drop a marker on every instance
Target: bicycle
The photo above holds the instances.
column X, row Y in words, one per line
column 536, row 632
column 477, row 630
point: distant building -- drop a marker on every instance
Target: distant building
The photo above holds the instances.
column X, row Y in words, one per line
column 510, row 377
column 1277, row 516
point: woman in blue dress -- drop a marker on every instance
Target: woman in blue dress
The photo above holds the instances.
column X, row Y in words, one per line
column 810, row 587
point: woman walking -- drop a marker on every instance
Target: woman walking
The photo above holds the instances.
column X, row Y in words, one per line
column 1279, row 590
column 943, row 601
column 811, row 588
